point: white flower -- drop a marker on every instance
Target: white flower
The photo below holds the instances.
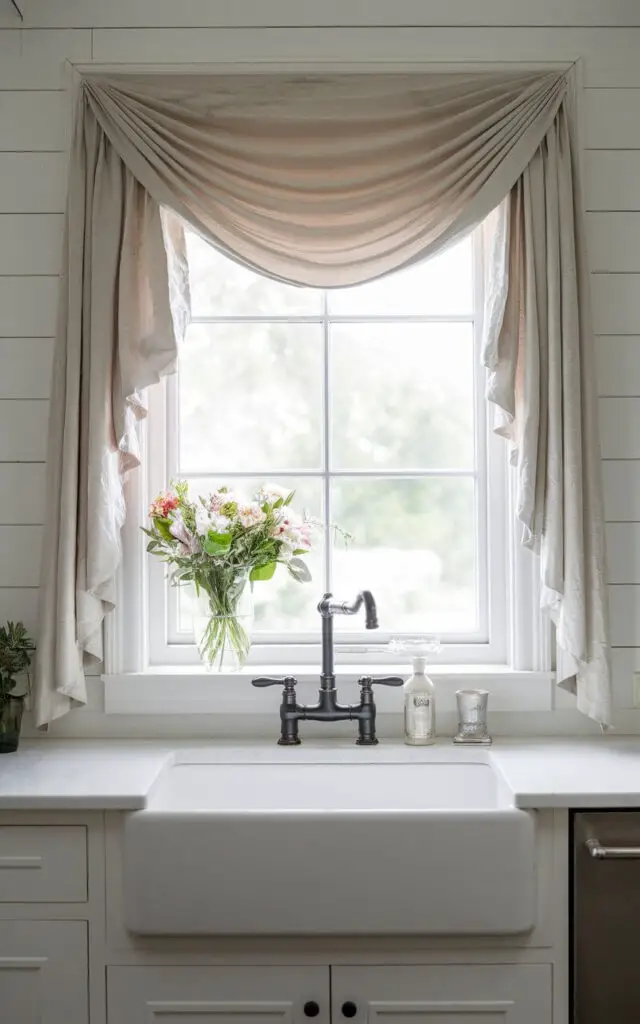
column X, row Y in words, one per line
column 250, row 515
column 271, row 493
column 189, row 545
column 203, row 521
column 206, row 521
column 220, row 524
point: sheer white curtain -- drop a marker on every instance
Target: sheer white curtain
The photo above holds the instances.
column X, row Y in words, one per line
column 325, row 181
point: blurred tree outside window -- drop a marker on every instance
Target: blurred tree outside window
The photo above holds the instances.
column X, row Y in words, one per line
column 363, row 399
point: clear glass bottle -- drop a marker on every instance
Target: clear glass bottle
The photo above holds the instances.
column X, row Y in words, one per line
column 419, row 706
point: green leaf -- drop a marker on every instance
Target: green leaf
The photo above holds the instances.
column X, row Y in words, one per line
column 289, row 498
column 216, row 543
column 163, row 528
column 263, row 572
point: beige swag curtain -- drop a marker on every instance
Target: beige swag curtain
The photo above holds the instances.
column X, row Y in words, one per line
column 322, row 181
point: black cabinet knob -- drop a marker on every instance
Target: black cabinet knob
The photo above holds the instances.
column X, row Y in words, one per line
column 311, row 1009
column 349, row 1009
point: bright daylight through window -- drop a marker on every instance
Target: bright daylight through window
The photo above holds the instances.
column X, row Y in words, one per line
column 367, row 401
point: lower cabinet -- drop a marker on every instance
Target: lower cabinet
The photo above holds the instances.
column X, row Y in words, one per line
column 451, row 994
column 217, row 995
column 43, row 972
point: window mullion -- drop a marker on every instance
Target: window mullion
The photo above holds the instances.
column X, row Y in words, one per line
column 326, row 442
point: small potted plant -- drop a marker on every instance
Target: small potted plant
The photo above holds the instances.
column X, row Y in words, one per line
column 16, row 651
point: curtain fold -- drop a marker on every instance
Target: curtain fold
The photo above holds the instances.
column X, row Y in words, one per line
column 117, row 333
column 324, row 181
column 328, row 181
column 541, row 376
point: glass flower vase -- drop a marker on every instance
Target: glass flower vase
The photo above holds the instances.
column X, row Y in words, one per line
column 223, row 621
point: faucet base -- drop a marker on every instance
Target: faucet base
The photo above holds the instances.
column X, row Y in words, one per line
column 288, row 741
column 370, row 742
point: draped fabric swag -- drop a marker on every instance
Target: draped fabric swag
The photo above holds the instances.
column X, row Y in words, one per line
column 324, row 181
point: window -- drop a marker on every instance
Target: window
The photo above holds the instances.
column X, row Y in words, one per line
column 368, row 401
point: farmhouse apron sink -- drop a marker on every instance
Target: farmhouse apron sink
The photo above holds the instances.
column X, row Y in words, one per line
column 330, row 848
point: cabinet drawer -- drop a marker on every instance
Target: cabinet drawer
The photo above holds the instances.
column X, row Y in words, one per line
column 43, row 864
column 43, row 972
column 218, row 995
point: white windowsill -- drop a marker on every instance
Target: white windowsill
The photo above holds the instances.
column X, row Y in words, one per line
column 190, row 690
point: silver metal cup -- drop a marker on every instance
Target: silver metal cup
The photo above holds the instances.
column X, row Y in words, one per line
column 472, row 717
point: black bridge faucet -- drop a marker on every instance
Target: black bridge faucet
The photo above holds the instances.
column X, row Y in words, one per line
column 327, row 708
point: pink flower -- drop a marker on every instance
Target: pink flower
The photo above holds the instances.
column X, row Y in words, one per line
column 163, row 505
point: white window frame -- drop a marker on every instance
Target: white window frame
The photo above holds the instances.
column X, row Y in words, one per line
column 514, row 634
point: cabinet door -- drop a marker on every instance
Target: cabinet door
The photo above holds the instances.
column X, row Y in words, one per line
column 43, row 972
column 460, row 994
column 218, row 995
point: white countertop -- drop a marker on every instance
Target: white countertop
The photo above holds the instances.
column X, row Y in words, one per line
column 119, row 775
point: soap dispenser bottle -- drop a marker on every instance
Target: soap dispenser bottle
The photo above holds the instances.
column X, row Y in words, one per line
column 419, row 706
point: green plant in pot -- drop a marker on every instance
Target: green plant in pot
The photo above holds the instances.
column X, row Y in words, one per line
column 16, row 651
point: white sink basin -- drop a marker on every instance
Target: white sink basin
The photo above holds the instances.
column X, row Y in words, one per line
column 337, row 848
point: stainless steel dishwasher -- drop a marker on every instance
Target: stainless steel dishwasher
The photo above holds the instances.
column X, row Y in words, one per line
column 606, row 917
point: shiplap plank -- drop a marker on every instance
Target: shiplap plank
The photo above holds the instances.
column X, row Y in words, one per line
column 614, row 240
column 612, row 179
column 219, row 13
column 23, row 431
column 20, row 548
column 28, row 307
column 621, row 485
column 618, row 362
column 624, row 610
column 34, row 121
column 616, row 303
column 611, row 118
column 610, row 55
column 19, row 604
column 623, row 552
column 620, row 428
column 25, row 367
column 22, row 487
column 30, row 243
column 624, row 662
column 35, row 59
column 32, row 182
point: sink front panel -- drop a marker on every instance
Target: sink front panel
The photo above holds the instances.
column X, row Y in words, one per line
column 241, row 850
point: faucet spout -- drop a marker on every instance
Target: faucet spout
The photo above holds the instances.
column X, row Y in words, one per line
column 370, row 610
column 329, row 607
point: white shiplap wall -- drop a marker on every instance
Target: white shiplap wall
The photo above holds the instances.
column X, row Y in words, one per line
column 34, row 132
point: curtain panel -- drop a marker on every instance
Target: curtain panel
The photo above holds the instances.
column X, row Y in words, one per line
column 325, row 181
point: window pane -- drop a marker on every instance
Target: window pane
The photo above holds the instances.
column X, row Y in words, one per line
column 442, row 285
column 402, row 396
column 221, row 287
column 281, row 605
column 250, row 397
column 413, row 547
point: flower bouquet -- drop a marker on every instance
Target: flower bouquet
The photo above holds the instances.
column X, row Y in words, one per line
column 222, row 545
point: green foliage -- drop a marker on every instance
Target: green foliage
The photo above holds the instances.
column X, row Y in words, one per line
column 16, row 651
column 263, row 572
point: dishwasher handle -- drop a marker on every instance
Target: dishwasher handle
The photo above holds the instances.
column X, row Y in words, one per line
column 600, row 852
